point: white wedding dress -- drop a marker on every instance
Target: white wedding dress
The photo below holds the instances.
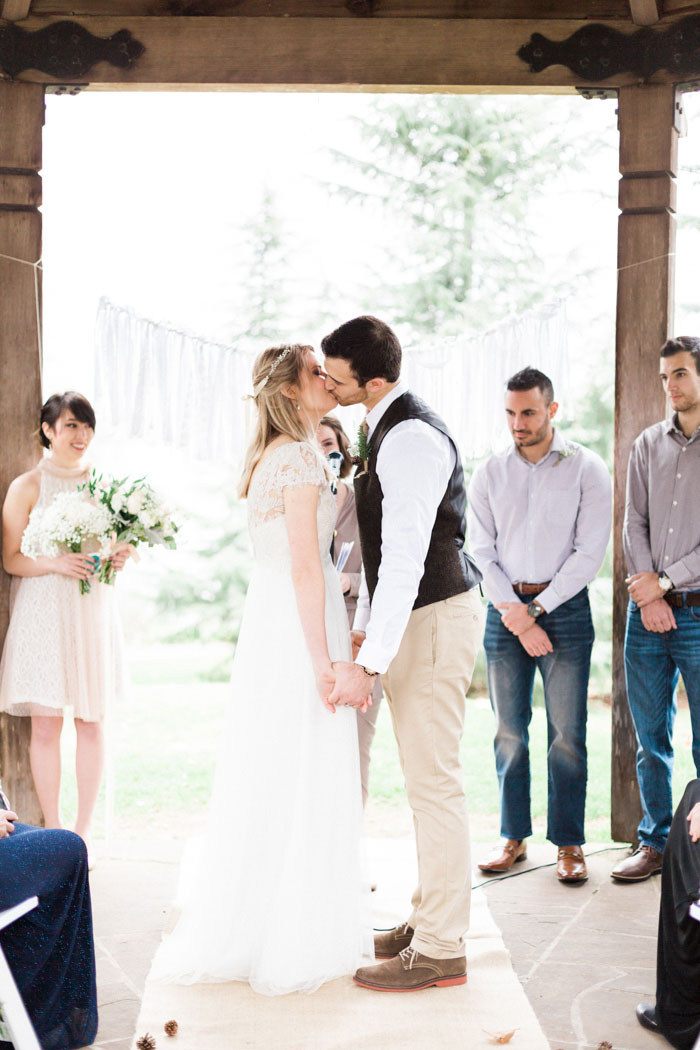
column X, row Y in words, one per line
column 274, row 895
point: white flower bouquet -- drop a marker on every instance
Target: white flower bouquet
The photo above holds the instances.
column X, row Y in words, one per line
column 70, row 523
column 138, row 514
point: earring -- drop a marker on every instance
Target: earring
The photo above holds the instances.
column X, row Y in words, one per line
column 298, row 407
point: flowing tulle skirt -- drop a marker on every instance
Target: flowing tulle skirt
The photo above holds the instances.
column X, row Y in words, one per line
column 273, row 892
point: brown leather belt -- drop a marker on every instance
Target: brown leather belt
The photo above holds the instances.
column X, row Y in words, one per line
column 530, row 588
column 680, row 599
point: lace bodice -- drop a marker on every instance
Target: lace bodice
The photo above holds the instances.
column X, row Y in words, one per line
column 293, row 464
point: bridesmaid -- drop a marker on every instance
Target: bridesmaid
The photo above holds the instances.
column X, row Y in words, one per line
column 62, row 649
column 332, row 438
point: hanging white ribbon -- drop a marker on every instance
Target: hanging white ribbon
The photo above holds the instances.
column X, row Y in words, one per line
column 158, row 383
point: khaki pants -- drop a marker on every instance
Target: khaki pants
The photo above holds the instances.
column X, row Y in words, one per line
column 425, row 687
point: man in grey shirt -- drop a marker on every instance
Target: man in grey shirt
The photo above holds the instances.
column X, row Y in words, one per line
column 661, row 537
column 539, row 522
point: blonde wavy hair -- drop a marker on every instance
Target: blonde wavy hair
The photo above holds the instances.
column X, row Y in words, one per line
column 274, row 370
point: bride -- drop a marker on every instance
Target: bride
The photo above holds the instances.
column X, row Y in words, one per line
column 275, row 893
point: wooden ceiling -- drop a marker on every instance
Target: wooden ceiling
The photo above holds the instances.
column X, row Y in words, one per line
column 640, row 12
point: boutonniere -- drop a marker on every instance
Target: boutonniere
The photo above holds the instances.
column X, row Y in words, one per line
column 566, row 452
column 360, row 451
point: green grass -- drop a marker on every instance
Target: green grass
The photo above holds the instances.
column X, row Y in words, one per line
column 164, row 742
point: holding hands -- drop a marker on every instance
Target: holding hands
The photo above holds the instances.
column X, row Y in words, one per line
column 353, row 687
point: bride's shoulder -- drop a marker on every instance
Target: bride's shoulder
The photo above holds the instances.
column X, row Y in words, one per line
column 287, row 456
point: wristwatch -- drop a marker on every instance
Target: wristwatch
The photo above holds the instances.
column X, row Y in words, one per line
column 534, row 610
column 665, row 582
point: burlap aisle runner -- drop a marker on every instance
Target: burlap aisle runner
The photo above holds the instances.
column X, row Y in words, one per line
column 341, row 1016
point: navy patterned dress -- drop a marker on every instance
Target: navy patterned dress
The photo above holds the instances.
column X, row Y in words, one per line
column 50, row 950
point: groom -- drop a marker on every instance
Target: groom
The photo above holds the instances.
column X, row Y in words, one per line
column 419, row 624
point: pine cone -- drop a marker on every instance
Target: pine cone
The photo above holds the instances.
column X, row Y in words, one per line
column 146, row 1042
column 170, row 1027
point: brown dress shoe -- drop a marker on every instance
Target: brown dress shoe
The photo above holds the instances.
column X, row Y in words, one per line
column 410, row 971
column 388, row 943
column 571, row 864
column 645, row 861
column 504, row 857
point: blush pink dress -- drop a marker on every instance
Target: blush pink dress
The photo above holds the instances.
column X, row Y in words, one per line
column 62, row 649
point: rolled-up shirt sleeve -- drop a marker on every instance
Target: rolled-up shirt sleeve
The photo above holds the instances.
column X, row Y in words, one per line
column 591, row 536
column 482, row 540
column 414, row 466
column 636, row 536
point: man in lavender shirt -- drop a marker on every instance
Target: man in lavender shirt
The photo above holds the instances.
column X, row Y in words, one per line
column 661, row 538
column 539, row 521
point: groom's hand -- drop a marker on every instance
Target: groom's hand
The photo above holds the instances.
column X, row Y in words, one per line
column 353, row 687
column 357, row 638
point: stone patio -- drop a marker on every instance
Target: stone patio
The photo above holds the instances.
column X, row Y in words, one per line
column 585, row 954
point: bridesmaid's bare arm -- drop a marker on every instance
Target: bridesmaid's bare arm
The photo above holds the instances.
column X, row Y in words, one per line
column 19, row 503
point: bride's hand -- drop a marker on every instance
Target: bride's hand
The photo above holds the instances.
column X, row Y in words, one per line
column 325, row 681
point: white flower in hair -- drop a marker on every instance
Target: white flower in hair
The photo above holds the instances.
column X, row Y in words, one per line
column 278, row 361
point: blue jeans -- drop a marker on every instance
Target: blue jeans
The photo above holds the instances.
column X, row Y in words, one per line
column 565, row 671
column 653, row 663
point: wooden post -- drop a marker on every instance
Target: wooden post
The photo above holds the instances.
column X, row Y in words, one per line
column 645, row 286
column 21, row 121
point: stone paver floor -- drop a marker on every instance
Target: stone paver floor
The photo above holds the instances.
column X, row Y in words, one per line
column 585, row 954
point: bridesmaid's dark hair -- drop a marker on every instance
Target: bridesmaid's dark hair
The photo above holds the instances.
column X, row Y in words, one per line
column 57, row 404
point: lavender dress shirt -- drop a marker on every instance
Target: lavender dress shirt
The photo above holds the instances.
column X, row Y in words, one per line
column 546, row 522
column 661, row 532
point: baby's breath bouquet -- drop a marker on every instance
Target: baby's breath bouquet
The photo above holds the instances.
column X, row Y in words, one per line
column 69, row 523
column 138, row 514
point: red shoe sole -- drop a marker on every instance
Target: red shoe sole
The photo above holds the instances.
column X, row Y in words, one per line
column 441, row 982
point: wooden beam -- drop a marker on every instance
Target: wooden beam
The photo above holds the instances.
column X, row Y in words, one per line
column 21, row 120
column 644, row 12
column 529, row 9
column 398, row 54
column 646, row 246
column 14, row 10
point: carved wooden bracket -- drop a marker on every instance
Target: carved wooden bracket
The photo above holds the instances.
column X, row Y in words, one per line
column 64, row 50
column 597, row 52
column 363, row 8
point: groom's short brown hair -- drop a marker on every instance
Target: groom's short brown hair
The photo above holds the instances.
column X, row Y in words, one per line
column 369, row 345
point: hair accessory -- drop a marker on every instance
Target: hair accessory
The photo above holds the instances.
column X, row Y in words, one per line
column 278, row 360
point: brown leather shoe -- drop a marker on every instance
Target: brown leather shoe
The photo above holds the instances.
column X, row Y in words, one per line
column 644, row 862
column 411, row 971
column 504, row 857
column 388, row 943
column 571, row 864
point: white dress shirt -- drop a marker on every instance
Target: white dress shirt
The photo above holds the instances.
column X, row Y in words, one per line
column 414, row 464
column 540, row 522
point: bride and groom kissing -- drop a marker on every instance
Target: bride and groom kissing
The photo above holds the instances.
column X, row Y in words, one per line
column 275, row 895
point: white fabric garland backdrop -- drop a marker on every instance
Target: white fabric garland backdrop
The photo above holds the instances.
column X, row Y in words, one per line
column 164, row 385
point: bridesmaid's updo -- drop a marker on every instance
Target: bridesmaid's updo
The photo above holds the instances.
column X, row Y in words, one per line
column 57, row 404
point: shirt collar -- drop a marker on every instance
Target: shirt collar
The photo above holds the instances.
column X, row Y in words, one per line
column 376, row 413
column 674, row 427
column 558, row 445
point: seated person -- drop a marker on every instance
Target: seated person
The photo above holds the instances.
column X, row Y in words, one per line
column 50, row 950
column 677, row 1012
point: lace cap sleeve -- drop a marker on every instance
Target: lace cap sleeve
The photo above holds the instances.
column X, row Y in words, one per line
column 300, row 465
